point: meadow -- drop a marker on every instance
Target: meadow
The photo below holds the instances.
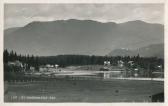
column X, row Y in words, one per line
column 63, row 90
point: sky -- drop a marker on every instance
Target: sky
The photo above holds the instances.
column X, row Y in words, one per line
column 18, row 15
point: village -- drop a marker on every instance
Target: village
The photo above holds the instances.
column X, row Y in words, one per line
column 104, row 71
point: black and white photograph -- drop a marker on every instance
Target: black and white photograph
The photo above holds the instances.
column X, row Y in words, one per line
column 83, row 53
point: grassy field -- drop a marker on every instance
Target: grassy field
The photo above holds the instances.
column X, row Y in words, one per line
column 82, row 91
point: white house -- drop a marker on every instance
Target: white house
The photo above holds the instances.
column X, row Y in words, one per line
column 107, row 63
column 16, row 63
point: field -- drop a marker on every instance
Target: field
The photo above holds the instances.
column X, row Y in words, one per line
column 114, row 90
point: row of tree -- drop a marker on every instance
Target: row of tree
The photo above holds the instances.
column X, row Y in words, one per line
column 68, row 60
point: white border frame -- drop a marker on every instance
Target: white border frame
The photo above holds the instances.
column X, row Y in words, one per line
column 2, row 2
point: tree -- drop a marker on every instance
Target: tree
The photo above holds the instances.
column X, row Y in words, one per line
column 6, row 56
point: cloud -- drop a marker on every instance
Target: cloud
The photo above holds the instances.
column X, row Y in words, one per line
column 21, row 14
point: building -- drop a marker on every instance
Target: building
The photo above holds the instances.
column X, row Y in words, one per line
column 49, row 68
column 107, row 63
column 120, row 63
column 16, row 63
column 43, row 68
column 32, row 69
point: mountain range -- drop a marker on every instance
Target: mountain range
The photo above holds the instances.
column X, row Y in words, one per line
column 85, row 37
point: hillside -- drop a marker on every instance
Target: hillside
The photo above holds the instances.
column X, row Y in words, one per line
column 155, row 50
column 85, row 37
